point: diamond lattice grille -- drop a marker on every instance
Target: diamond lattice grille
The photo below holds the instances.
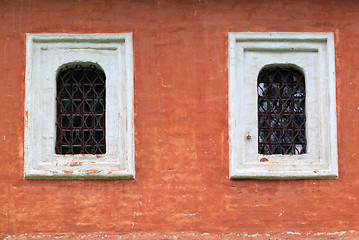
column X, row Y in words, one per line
column 281, row 111
column 81, row 109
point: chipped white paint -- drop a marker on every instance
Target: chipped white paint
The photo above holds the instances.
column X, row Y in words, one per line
column 255, row 235
column 351, row 234
column 190, row 214
column 313, row 53
column 133, row 220
column 294, row 233
column 332, row 233
column 45, row 54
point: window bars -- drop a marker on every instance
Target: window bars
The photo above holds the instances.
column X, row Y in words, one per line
column 81, row 96
column 281, row 111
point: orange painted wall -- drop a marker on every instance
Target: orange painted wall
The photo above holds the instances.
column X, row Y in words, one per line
column 181, row 129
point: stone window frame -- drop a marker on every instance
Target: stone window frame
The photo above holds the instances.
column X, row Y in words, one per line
column 45, row 55
column 313, row 53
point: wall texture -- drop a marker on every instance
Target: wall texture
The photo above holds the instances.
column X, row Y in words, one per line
column 182, row 188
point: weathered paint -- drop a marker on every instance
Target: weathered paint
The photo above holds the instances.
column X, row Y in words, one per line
column 44, row 54
column 181, row 130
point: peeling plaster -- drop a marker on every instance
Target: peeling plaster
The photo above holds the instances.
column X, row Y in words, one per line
column 349, row 234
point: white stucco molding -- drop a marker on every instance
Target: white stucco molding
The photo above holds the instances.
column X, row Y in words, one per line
column 312, row 53
column 45, row 53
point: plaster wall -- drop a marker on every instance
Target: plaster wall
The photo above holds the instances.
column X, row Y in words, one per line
column 182, row 186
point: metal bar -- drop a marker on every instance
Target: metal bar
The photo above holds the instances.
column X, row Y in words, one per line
column 274, row 84
column 77, row 144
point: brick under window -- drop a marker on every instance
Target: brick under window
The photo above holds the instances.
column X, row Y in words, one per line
column 81, row 110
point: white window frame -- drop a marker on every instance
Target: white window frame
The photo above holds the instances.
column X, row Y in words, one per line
column 45, row 55
column 313, row 53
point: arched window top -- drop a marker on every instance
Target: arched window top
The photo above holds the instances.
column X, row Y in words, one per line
column 79, row 65
column 81, row 95
column 281, row 110
column 284, row 66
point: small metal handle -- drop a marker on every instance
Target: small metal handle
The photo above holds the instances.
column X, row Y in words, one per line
column 249, row 136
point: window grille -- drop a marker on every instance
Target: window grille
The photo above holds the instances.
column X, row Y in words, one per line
column 81, row 95
column 281, row 111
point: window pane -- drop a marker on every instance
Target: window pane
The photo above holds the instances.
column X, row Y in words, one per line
column 281, row 111
column 81, row 95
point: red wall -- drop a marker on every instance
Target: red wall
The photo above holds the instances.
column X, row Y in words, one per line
column 181, row 131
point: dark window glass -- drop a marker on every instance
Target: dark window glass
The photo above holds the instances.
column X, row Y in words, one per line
column 81, row 96
column 281, row 111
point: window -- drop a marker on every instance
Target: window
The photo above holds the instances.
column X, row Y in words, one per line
column 282, row 111
column 79, row 106
column 81, row 97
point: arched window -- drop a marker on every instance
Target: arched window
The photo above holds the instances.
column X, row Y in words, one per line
column 81, row 96
column 281, row 111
